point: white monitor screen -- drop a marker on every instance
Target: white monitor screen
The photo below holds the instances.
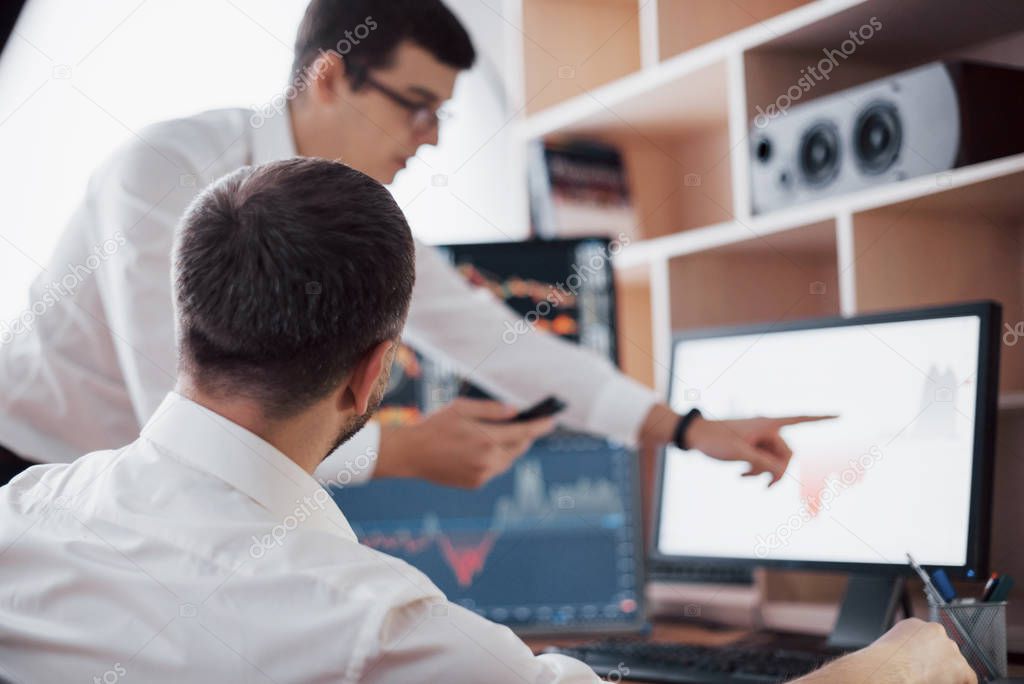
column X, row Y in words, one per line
column 891, row 475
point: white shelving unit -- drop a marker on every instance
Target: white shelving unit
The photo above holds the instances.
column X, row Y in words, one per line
column 675, row 85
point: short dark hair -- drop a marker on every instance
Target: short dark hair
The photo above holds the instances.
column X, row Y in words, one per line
column 286, row 275
column 333, row 25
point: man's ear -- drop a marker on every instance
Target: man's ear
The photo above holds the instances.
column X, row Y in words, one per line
column 329, row 76
column 364, row 378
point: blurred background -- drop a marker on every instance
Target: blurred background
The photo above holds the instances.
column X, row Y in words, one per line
column 93, row 74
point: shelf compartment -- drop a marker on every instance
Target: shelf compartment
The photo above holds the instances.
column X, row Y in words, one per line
column 1003, row 196
column 897, row 36
column 635, row 323
column 730, row 285
column 664, row 94
column 573, row 46
column 653, row 101
column 686, row 24
column 677, row 181
column 963, row 244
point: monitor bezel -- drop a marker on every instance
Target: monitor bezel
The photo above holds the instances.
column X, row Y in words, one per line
column 976, row 563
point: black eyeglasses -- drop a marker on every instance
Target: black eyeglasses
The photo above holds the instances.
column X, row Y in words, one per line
column 423, row 118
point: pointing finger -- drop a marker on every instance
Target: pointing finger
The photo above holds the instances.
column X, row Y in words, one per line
column 796, row 420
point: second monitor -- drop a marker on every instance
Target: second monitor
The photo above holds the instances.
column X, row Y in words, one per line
column 906, row 466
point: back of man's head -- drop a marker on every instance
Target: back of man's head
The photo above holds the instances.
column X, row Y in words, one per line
column 286, row 275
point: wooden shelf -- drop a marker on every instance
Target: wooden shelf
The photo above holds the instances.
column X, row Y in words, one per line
column 1011, row 401
column 665, row 95
column 635, row 329
column 909, row 33
column 560, row 64
column 960, row 245
column 996, row 186
column 674, row 84
column 687, row 24
column 654, row 100
column 726, row 286
column 913, row 31
column 677, row 182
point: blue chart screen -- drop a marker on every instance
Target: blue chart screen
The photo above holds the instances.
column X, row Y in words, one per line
column 550, row 542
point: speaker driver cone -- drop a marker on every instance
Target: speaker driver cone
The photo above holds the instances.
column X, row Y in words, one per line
column 877, row 138
column 818, row 156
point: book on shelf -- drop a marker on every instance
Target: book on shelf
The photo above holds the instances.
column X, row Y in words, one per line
column 579, row 189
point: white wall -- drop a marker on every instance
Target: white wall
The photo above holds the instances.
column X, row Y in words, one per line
column 80, row 76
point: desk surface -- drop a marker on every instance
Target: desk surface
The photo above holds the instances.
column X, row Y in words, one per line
column 686, row 633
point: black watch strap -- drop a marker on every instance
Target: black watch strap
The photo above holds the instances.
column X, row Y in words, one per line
column 679, row 436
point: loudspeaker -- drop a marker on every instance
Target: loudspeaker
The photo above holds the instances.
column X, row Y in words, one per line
column 933, row 118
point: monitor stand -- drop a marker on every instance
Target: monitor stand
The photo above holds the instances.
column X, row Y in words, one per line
column 867, row 610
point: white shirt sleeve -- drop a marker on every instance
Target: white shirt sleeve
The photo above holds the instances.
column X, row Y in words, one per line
column 436, row 641
column 478, row 335
column 141, row 195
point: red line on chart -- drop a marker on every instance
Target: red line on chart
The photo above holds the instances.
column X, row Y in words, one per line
column 467, row 561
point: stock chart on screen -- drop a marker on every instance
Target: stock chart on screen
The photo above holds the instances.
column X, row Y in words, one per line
column 553, row 542
column 550, row 542
column 891, row 473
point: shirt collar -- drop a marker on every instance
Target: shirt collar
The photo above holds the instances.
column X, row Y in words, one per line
column 272, row 137
column 213, row 444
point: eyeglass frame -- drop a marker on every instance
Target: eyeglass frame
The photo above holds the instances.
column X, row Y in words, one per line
column 422, row 117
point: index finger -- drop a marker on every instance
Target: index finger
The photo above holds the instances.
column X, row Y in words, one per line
column 796, row 420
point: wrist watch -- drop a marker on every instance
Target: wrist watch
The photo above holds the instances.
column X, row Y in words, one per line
column 679, row 436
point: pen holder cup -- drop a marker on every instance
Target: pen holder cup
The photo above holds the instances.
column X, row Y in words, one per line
column 986, row 625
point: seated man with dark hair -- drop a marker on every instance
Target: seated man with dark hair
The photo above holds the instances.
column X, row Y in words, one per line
column 147, row 563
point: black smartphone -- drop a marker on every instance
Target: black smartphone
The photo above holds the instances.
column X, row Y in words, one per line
column 542, row 409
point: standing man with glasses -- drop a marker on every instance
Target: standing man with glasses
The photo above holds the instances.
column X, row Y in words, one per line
column 369, row 78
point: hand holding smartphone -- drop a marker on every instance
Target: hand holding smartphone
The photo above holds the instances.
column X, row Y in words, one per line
column 544, row 408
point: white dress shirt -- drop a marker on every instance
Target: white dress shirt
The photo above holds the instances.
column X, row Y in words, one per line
column 202, row 553
column 94, row 353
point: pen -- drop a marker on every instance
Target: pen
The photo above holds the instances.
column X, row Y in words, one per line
column 929, row 588
column 987, row 591
column 954, row 620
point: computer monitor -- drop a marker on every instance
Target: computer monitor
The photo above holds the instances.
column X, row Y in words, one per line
column 564, row 287
column 554, row 545
column 906, row 467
